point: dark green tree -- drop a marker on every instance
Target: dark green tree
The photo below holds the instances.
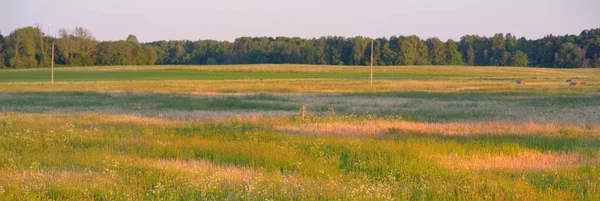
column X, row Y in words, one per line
column 437, row 51
column 22, row 47
column 453, row 56
column 76, row 47
column 359, row 46
column 29, row 47
column 499, row 56
column 596, row 63
column 2, row 52
column 519, row 59
column 376, row 52
column 422, row 53
column 408, row 50
column 387, row 54
column 132, row 38
column 570, row 56
column 511, row 43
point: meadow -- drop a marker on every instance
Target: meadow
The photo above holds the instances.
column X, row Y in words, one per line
column 236, row 133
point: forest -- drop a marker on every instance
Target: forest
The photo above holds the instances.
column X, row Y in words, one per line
column 30, row 47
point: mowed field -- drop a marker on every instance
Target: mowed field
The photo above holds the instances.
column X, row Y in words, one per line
column 236, row 133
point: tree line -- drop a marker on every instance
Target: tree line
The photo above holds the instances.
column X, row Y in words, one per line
column 30, row 47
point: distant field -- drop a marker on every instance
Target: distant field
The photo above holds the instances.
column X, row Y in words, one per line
column 238, row 72
column 235, row 132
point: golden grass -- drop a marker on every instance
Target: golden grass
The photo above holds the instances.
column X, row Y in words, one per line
column 342, row 128
column 54, row 119
column 207, row 176
column 209, row 87
column 139, row 120
column 159, row 166
column 41, row 178
column 525, row 160
column 205, row 170
column 383, row 127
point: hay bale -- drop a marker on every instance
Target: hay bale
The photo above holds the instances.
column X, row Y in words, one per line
column 520, row 81
column 575, row 84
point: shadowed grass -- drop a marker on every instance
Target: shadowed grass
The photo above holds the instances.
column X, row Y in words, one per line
column 419, row 106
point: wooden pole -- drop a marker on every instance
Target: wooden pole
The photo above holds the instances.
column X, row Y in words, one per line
column 372, row 44
column 302, row 110
column 52, row 74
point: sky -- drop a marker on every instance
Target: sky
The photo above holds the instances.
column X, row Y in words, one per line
column 152, row 20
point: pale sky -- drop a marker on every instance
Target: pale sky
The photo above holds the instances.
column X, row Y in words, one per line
column 152, row 20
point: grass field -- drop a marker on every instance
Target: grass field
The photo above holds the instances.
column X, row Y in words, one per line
column 235, row 133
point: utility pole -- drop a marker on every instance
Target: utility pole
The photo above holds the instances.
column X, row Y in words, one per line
column 52, row 75
column 372, row 44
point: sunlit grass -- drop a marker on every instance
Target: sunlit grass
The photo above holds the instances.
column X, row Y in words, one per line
column 419, row 133
column 308, row 86
column 95, row 156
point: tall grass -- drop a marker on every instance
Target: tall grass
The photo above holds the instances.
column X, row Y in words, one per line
column 95, row 156
column 233, row 133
